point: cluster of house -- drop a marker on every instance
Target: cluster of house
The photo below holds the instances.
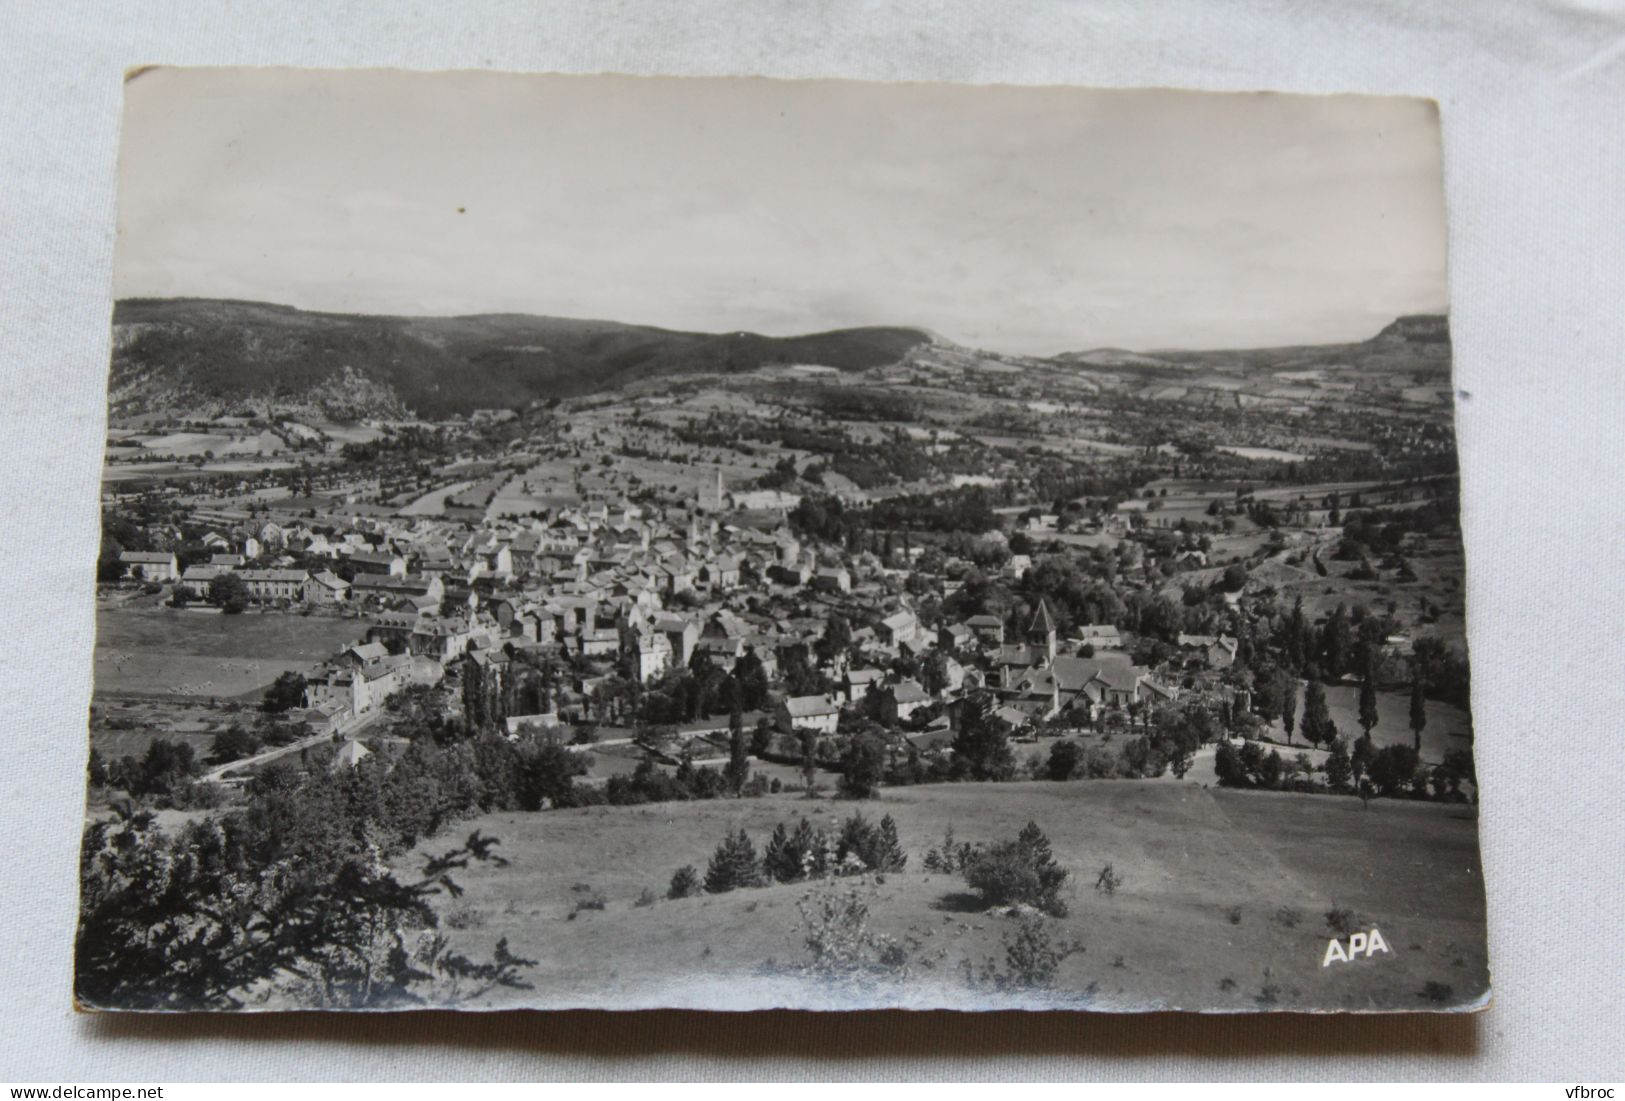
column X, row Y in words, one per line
column 1034, row 680
column 640, row 592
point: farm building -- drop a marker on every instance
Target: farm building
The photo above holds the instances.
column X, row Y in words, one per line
column 150, row 565
column 820, row 713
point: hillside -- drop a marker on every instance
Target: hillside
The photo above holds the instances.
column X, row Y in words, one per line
column 1224, row 894
column 211, row 356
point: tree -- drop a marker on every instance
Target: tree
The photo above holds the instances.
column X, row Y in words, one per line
column 685, row 882
column 1419, row 711
column 233, row 744
column 1289, row 703
column 733, row 865
column 862, row 767
column 981, row 745
column 1020, row 871
column 1334, row 642
column 761, row 738
column 178, row 922
column 1318, row 727
column 738, row 769
column 1339, row 770
column 875, row 847
column 809, row 759
column 1065, row 759
column 229, row 593
column 285, row 693
column 1392, row 769
column 1368, row 702
column 789, row 853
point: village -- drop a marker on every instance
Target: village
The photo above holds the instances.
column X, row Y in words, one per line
column 633, row 622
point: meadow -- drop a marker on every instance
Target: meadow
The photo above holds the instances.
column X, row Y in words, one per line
column 1222, row 906
column 169, row 652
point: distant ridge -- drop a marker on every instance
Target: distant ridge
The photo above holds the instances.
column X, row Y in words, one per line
column 1422, row 339
column 200, row 355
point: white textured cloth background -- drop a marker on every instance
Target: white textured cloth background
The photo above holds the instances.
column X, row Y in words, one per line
column 1533, row 99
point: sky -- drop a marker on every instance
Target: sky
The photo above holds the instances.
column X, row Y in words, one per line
column 1031, row 220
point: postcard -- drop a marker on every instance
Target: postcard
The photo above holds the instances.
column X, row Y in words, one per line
column 616, row 542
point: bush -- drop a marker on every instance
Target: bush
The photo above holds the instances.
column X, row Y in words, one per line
column 1032, row 956
column 1099, row 764
column 646, row 897
column 843, row 947
column 1022, row 871
column 952, row 856
column 685, row 883
column 586, row 899
column 1031, row 959
column 1108, row 880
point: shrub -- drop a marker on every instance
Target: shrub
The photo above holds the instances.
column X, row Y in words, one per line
column 843, row 947
column 1031, row 957
column 646, row 897
column 952, row 856
column 1108, row 880
column 733, row 865
column 685, row 882
column 1021, row 871
column 586, row 898
column 1099, row 764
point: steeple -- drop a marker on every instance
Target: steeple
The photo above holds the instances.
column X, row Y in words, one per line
column 1042, row 630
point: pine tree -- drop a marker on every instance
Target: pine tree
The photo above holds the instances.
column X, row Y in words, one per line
column 784, row 859
column 733, row 865
column 888, row 852
column 685, row 881
column 776, row 857
column 1419, row 711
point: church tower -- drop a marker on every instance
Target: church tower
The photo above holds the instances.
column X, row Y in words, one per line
column 711, row 498
column 1042, row 632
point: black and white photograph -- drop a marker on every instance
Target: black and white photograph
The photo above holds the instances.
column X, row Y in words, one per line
column 625, row 542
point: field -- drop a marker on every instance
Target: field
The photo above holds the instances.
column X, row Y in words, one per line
column 166, row 652
column 1222, row 904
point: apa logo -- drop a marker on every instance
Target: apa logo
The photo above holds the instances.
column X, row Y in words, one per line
column 1360, row 945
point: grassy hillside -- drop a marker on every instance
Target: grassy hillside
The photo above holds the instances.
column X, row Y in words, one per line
column 1217, row 886
column 209, row 355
